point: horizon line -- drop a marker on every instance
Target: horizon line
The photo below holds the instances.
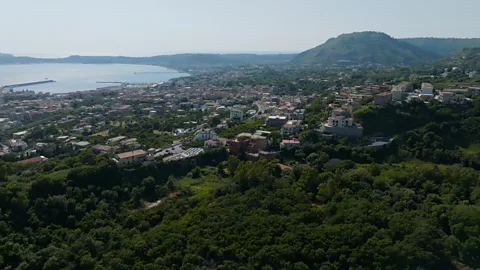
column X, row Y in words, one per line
column 65, row 55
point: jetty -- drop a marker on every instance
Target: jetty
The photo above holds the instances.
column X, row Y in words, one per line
column 112, row 82
column 27, row 84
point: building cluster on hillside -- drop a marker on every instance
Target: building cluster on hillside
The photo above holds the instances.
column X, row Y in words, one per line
column 341, row 122
column 207, row 99
column 359, row 94
column 405, row 92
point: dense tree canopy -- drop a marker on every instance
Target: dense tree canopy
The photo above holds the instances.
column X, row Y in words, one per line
column 386, row 216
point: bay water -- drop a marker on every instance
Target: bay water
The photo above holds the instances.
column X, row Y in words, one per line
column 79, row 77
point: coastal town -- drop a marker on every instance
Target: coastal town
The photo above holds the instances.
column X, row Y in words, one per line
column 293, row 135
column 183, row 118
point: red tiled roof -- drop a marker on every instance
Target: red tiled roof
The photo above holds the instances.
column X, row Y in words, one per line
column 30, row 160
column 284, row 166
column 102, row 147
column 291, row 141
column 131, row 154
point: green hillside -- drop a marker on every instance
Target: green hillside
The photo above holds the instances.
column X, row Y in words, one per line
column 466, row 59
column 443, row 46
column 364, row 47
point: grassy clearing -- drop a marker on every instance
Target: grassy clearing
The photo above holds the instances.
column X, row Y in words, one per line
column 158, row 132
column 203, row 185
column 392, row 170
column 102, row 133
column 474, row 148
column 59, row 174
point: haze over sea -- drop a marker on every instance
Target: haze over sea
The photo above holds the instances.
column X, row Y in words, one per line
column 80, row 77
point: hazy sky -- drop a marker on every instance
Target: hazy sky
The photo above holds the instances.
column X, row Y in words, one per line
column 150, row 27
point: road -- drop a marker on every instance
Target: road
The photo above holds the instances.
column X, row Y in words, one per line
column 5, row 148
column 260, row 108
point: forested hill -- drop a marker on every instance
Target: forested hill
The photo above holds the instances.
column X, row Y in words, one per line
column 466, row 59
column 365, row 47
column 180, row 61
column 443, row 46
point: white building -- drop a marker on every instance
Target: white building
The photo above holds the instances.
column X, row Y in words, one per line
column 298, row 114
column 340, row 121
column 180, row 131
column 290, row 128
column 18, row 146
column 205, row 134
column 451, row 98
column 474, row 91
column 288, row 144
column 473, row 74
column 341, row 125
column 20, row 135
column 236, row 114
column 4, row 124
column 458, row 91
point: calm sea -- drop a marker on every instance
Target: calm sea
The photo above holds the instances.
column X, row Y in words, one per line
column 78, row 77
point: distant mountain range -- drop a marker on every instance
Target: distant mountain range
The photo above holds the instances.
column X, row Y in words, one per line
column 354, row 48
column 443, row 46
column 176, row 61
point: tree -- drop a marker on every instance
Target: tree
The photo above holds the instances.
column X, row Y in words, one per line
column 170, row 183
column 214, row 122
column 148, row 185
column 232, row 164
column 196, row 172
column 317, row 160
column 221, row 169
column 3, row 172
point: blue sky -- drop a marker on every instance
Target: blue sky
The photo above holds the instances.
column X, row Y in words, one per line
column 150, row 27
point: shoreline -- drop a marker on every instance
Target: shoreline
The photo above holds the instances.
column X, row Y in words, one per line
column 69, row 82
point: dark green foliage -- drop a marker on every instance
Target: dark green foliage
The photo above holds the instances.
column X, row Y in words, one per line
column 398, row 118
column 377, row 216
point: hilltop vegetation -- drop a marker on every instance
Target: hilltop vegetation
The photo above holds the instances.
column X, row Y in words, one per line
column 443, row 46
column 408, row 215
column 364, row 47
column 467, row 59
